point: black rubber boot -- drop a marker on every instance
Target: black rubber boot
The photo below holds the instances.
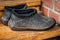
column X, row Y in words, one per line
column 8, row 12
column 28, row 19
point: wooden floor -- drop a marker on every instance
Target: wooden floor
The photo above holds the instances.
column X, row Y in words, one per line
column 7, row 34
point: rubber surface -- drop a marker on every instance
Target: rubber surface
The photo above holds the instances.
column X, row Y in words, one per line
column 24, row 13
column 32, row 23
column 8, row 12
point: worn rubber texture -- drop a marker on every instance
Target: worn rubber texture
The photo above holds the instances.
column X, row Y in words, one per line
column 8, row 12
column 24, row 13
column 32, row 23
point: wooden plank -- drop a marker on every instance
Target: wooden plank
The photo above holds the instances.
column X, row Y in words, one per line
column 1, row 14
column 7, row 34
column 37, row 8
column 17, row 2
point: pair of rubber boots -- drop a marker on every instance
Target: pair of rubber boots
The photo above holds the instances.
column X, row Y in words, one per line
column 20, row 18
